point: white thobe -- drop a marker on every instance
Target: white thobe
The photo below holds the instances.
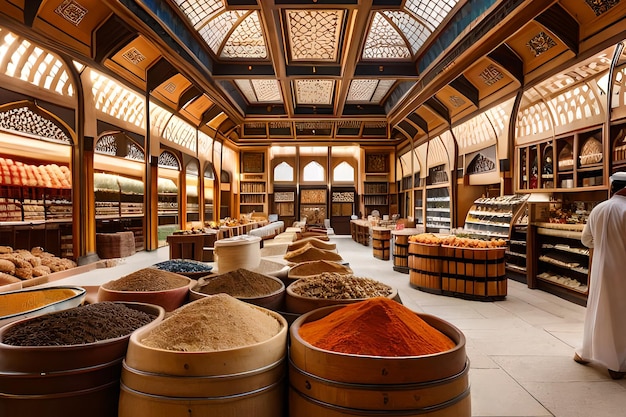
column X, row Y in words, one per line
column 604, row 337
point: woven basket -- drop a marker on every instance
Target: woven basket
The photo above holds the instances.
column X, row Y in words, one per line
column 115, row 245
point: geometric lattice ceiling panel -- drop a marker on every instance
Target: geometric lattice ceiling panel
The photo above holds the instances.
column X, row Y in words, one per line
column 314, row 34
column 368, row 91
column 260, row 91
column 314, row 91
column 384, row 41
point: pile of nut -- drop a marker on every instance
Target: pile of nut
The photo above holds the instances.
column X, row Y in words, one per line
column 337, row 286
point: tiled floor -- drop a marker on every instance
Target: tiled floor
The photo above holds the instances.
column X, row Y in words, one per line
column 520, row 349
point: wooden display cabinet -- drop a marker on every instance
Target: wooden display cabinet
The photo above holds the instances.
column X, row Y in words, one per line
column 313, row 205
column 253, row 194
column 376, row 197
column 438, row 202
column 618, row 148
column 343, row 200
column 284, row 198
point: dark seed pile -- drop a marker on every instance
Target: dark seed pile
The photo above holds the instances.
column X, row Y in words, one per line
column 77, row 326
column 183, row 265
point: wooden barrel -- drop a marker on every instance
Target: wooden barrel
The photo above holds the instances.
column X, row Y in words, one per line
column 249, row 380
column 425, row 263
column 474, row 273
column 381, row 242
column 400, row 249
column 64, row 381
column 331, row 384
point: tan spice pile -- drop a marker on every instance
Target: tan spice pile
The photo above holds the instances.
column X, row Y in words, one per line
column 305, row 269
column 310, row 253
column 241, row 283
column 339, row 287
column 215, row 323
column 148, row 279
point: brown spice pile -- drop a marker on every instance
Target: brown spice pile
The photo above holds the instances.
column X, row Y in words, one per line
column 310, row 253
column 148, row 279
column 339, row 287
column 77, row 326
column 241, row 283
column 215, row 323
column 305, row 269
column 313, row 241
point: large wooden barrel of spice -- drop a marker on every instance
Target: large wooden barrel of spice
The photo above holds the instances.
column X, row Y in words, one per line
column 425, row 262
column 332, row 288
column 48, row 369
column 474, row 273
column 165, row 374
column 381, row 242
column 333, row 384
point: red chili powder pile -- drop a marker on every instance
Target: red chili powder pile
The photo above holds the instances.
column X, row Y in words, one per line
column 375, row 327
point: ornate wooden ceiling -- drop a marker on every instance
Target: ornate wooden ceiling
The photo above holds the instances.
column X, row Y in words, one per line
column 377, row 71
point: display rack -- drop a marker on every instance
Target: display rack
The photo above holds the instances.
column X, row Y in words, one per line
column 562, row 262
column 253, row 194
column 313, row 205
column 119, row 205
column 438, row 209
column 342, row 208
column 376, row 197
column 285, row 203
column 494, row 217
column 516, row 256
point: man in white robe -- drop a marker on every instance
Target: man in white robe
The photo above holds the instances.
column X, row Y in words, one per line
column 604, row 337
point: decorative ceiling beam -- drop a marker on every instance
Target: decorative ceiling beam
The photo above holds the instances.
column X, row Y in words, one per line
column 465, row 87
column 110, row 37
column 158, row 73
column 242, row 70
column 509, row 60
column 562, row 24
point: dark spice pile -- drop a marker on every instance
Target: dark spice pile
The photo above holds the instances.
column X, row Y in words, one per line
column 148, row 279
column 183, row 265
column 77, row 326
column 241, row 283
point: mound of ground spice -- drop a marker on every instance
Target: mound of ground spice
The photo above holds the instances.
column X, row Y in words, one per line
column 77, row 326
column 307, row 269
column 375, row 327
column 148, row 279
column 22, row 301
column 215, row 323
column 310, row 253
column 338, row 286
column 241, row 283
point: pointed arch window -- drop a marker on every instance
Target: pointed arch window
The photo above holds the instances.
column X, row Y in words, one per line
column 283, row 172
column 313, row 171
column 343, row 172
